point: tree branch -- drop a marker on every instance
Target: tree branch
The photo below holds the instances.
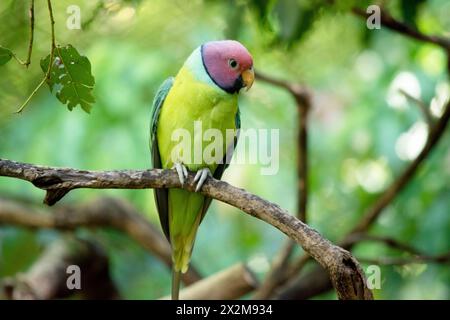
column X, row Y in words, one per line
column 344, row 270
column 27, row 62
column 231, row 283
column 302, row 97
column 47, row 278
column 393, row 243
column 102, row 212
column 297, row 288
column 422, row 106
column 390, row 261
column 50, row 63
column 395, row 25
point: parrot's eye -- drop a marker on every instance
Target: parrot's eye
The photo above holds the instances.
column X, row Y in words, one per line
column 233, row 63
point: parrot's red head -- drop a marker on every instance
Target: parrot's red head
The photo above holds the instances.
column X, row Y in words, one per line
column 229, row 65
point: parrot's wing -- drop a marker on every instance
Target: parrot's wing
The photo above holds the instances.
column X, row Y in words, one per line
column 161, row 195
column 221, row 167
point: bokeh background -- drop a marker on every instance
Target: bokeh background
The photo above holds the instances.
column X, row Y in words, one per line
column 363, row 132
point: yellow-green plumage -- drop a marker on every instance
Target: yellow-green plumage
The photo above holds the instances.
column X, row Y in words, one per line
column 195, row 118
column 190, row 100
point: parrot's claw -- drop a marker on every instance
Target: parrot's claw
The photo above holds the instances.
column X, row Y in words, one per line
column 201, row 176
column 182, row 172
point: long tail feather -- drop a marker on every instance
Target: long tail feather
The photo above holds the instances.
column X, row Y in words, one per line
column 175, row 284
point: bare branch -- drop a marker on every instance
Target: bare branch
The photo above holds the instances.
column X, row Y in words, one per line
column 52, row 53
column 395, row 25
column 344, row 270
column 393, row 243
column 103, row 212
column 391, row 261
column 228, row 284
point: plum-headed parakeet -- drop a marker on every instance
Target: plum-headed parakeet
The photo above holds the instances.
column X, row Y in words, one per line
column 204, row 93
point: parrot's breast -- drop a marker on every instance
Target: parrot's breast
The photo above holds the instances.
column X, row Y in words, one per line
column 194, row 115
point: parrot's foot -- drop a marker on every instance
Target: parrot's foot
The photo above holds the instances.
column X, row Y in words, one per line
column 201, row 176
column 182, row 172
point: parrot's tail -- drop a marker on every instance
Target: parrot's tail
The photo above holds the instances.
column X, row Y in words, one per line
column 176, row 284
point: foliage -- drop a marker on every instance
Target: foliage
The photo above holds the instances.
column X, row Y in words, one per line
column 72, row 74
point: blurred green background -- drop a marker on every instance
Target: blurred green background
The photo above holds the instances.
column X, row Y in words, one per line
column 362, row 131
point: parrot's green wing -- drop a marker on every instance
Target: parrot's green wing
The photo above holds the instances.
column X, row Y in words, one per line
column 161, row 195
column 225, row 163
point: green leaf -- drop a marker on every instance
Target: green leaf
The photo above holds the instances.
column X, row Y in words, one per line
column 5, row 55
column 70, row 78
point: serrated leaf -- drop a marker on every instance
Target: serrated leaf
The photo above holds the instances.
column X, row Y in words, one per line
column 5, row 55
column 70, row 78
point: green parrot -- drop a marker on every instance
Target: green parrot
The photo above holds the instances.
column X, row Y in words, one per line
column 203, row 95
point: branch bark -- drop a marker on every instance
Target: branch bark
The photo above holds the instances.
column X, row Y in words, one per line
column 102, row 212
column 345, row 272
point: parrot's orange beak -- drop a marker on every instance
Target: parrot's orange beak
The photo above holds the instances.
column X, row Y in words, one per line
column 248, row 76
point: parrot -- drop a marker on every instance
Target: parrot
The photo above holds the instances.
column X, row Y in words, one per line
column 204, row 91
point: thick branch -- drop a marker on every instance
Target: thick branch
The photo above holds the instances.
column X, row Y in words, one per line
column 103, row 212
column 344, row 270
column 231, row 283
column 48, row 277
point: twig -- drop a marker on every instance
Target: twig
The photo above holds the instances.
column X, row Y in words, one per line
column 231, row 283
column 390, row 22
column 393, row 243
column 390, row 261
column 98, row 8
column 47, row 278
column 102, row 212
column 27, row 62
column 50, row 63
column 422, row 106
column 344, row 270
